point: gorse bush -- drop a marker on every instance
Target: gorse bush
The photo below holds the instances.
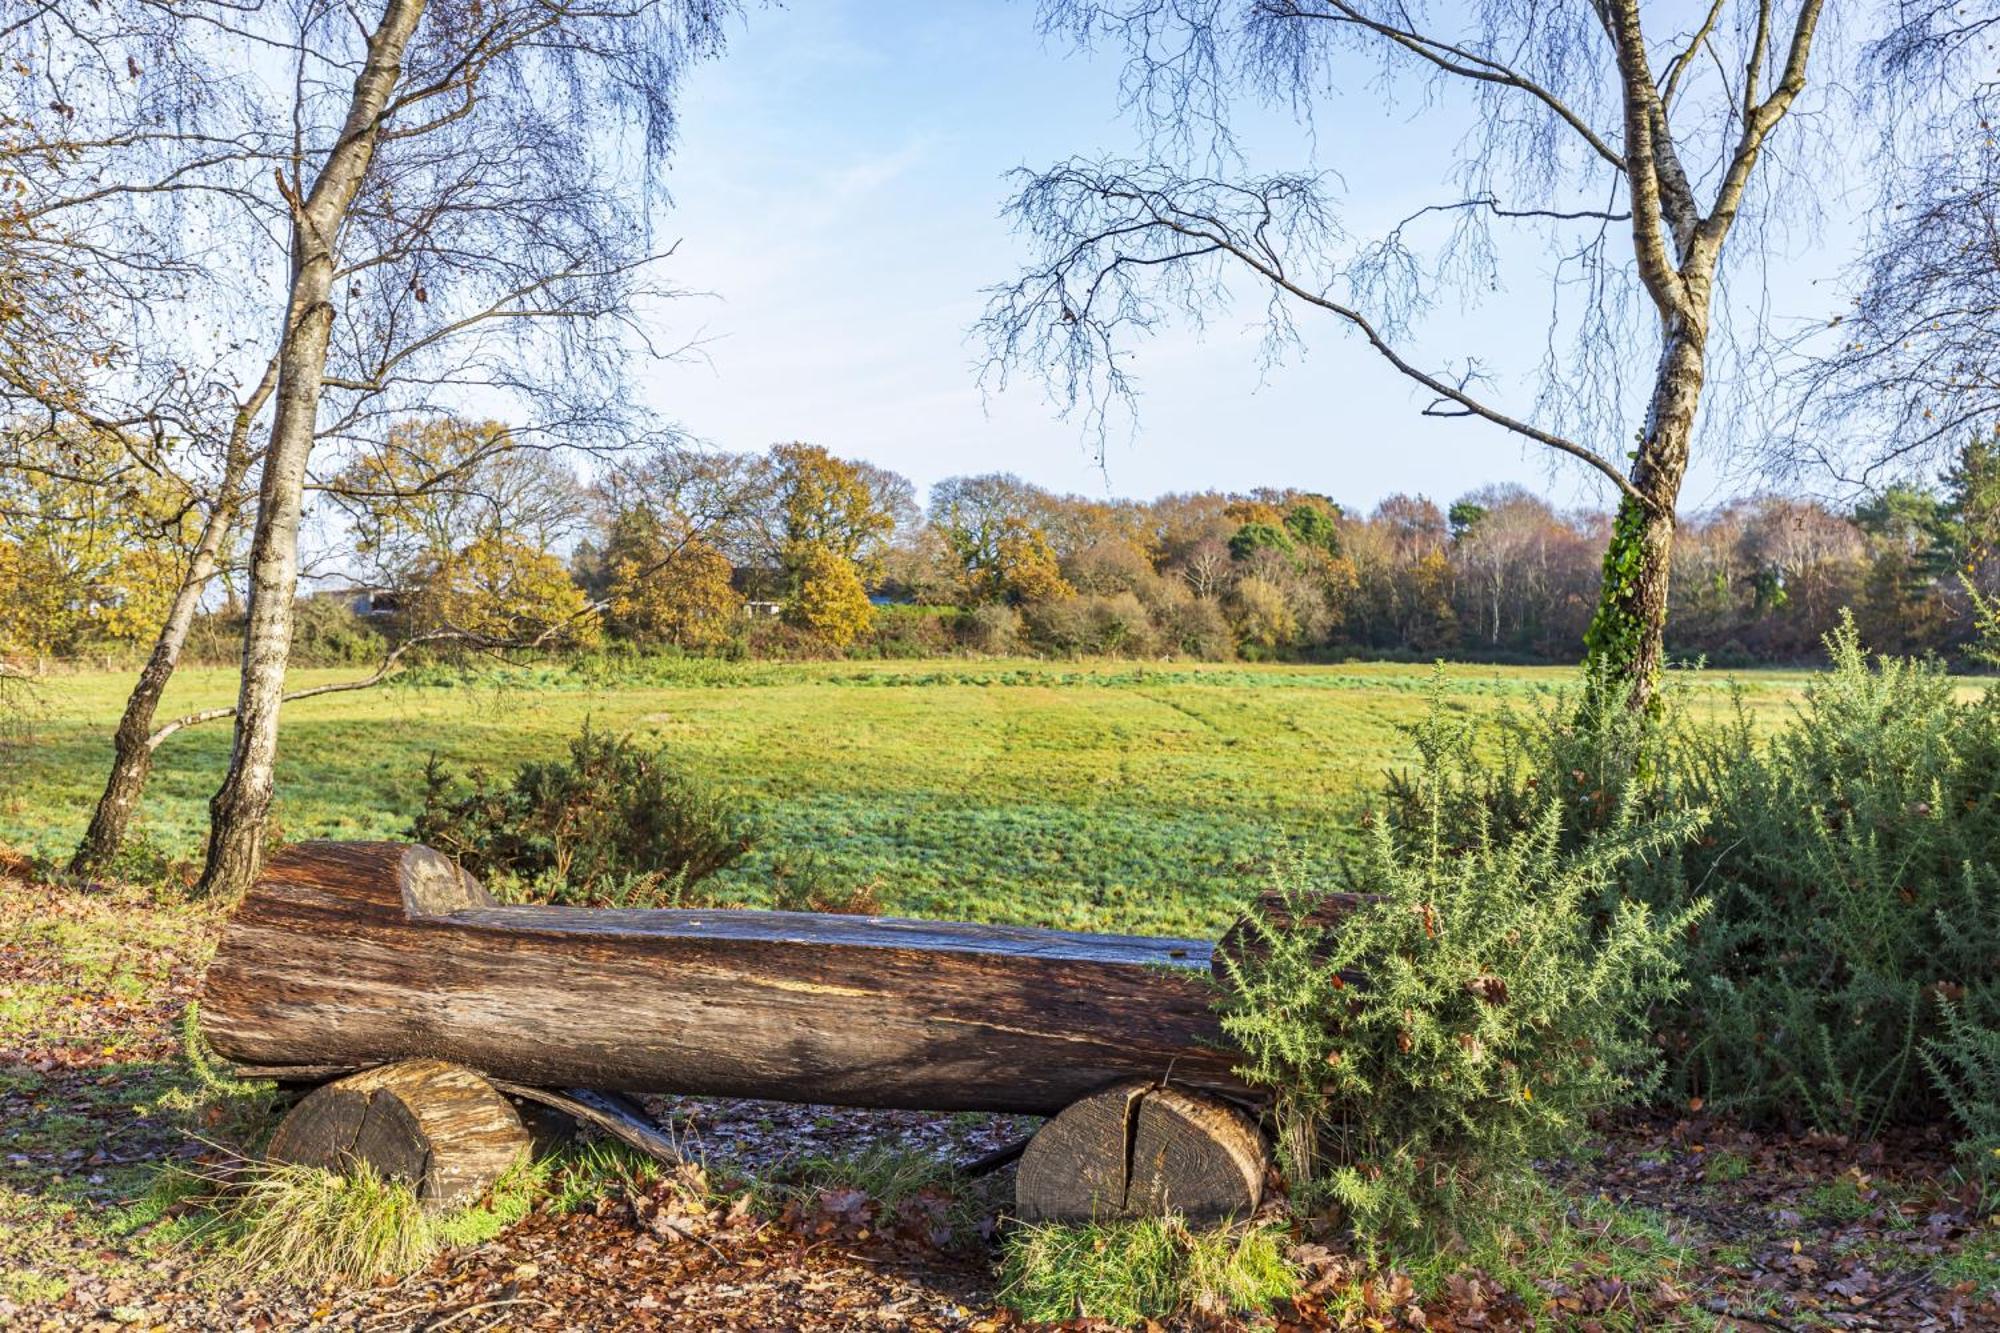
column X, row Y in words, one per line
column 1963, row 1062
column 1846, row 972
column 1855, row 867
column 613, row 825
column 1464, row 1017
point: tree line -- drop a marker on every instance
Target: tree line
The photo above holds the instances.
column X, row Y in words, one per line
column 458, row 532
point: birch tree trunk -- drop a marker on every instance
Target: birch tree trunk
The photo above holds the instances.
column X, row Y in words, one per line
column 1626, row 641
column 239, row 808
column 133, row 744
column 1678, row 251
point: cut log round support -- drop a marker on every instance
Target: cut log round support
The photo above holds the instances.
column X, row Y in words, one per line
column 349, row 954
column 1140, row 1149
column 435, row 1126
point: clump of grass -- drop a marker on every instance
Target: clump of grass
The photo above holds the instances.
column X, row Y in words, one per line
column 591, row 1170
column 1725, row 1167
column 241, row 1111
column 321, row 1228
column 1128, row 1271
column 317, row 1227
column 890, row 1177
column 512, row 1198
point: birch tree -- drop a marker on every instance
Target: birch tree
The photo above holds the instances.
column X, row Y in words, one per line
column 120, row 153
column 460, row 163
column 418, row 207
column 1627, row 142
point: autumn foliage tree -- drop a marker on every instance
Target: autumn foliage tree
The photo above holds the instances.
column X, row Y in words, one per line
column 681, row 594
column 828, row 599
column 828, row 504
column 503, row 591
column 91, row 541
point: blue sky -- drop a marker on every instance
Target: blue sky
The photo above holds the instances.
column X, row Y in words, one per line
column 838, row 192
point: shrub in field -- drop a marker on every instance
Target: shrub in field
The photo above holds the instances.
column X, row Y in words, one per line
column 614, row 824
column 1114, row 624
column 1855, row 868
column 1194, row 626
column 1465, row 1018
column 992, row 627
column 1846, row 974
column 327, row 632
column 907, row 633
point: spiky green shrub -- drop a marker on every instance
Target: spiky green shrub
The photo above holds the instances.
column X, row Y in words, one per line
column 1466, row 1019
column 1963, row 1062
column 1854, row 864
column 613, row 825
column 1125, row 1272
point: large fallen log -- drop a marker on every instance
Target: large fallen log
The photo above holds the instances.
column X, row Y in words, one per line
column 347, row 955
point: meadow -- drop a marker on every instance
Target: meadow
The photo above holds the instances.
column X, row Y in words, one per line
column 1101, row 796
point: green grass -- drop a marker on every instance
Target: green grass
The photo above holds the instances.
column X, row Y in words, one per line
column 1725, row 1167
column 320, row 1228
column 1124, row 1272
column 1103, row 796
column 1978, row 1263
column 891, row 1177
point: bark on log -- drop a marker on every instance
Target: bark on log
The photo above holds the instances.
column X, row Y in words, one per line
column 357, row 953
column 438, row 1127
column 1139, row 1149
column 1240, row 941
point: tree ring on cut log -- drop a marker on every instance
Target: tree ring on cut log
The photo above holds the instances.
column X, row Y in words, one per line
column 435, row 1126
column 1142, row 1149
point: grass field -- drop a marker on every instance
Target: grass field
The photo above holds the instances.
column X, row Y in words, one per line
column 1106, row 796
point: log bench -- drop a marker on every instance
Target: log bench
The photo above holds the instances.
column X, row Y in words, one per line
column 386, row 968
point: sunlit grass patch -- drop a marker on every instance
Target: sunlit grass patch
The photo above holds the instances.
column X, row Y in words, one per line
column 1125, row 1272
column 1095, row 795
column 315, row 1227
column 321, row 1228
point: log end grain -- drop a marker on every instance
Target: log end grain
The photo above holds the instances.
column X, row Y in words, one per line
column 1141, row 1149
column 438, row 1127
